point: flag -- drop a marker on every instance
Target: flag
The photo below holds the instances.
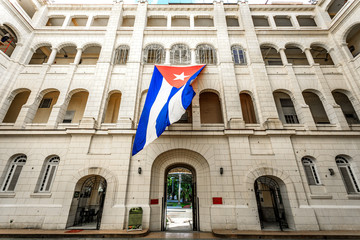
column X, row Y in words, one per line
column 168, row 97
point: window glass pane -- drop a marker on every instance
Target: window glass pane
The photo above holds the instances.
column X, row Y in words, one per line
column 347, row 179
column 15, row 178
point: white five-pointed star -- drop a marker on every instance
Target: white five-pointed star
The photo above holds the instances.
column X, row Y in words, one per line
column 180, row 77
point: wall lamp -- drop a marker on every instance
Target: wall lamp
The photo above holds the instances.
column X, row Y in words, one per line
column 139, row 170
column 332, row 173
column 221, row 171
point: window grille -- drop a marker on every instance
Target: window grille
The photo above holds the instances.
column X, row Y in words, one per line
column 347, row 175
column 180, row 54
column 13, row 173
column 45, row 103
column 49, row 174
column 154, row 53
column 238, row 55
column 121, row 54
column 310, row 171
column 205, row 54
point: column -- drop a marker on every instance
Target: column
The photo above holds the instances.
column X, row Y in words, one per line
column 229, row 90
column 283, row 56
column 169, row 21
column 193, row 56
column 294, row 21
column 66, row 21
column 52, row 56
column 89, row 21
column 346, row 50
column 272, row 21
column 309, row 56
column 167, row 56
column 192, row 23
column 78, row 55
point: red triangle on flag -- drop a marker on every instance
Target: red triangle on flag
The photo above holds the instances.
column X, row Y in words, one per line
column 178, row 76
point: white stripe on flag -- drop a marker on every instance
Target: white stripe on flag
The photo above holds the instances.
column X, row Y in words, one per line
column 176, row 109
column 158, row 104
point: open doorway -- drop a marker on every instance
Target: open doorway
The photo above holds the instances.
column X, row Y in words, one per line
column 180, row 204
column 87, row 204
column 270, row 204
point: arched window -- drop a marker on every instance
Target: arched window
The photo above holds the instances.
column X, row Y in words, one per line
column 285, row 108
column 45, row 107
column 247, row 108
column 8, row 40
column 121, row 54
column 316, row 108
column 270, row 55
column 41, row 55
column 310, row 171
column 65, row 55
column 238, row 55
column 347, row 175
column 347, row 108
column 335, row 7
column 180, row 54
column 154, row 53
column 210, row 108
column 12, row 176
column 15, row 107
column 321, row 55
column 206, row 54
column 49, row 174
column 295, row 55
column 90, row 55
column 352, row 40
column 76, row 107
column 112, row 109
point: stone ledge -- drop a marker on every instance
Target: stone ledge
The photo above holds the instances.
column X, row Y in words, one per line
column 321, row 196
column 7, row 194
column 353, row 196
column 40, row 195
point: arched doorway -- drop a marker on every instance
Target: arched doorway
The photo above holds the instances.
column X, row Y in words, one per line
column 270, row 204
column 88, row 203
column 180, row 202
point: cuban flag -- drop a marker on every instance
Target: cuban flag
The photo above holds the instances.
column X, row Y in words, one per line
column 169, row 95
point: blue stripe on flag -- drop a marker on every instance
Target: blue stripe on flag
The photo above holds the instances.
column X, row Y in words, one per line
column 155, row 85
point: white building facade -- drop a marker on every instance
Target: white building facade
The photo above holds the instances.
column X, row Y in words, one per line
column 275, row 115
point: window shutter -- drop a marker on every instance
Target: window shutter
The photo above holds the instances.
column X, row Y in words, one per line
column 309, row 175
column 347, row 179
column 15, row 178
column 50, row 178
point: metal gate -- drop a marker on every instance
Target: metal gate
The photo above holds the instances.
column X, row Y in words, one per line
column 270, row 205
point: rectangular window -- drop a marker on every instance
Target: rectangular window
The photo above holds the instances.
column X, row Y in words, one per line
column 45, row 103
column 79, row 21
column 306, row 21
column 203, row 22
column 232, row 21
column 128, row 21
column 283, row 21
column 180, row 21
column 55, row 21
column 260, row 21
column 156, row 22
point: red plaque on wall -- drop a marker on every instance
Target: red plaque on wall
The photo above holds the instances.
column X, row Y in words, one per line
column 154, row 201
column 217, row 200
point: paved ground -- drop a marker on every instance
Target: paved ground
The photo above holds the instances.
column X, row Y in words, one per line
column 10, row 234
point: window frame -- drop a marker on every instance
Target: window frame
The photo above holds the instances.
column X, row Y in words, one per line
column 309, row 162
column 176, row 51
column 46, row 183
column 121, row 55
column 158, row 53
column 18, row 160
column 206, row 54
column 238, row 48
column 342, row 162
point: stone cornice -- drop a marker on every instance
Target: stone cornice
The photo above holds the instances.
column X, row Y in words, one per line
column 284, row 8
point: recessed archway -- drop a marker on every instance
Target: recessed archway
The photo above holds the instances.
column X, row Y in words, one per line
column 198, row 166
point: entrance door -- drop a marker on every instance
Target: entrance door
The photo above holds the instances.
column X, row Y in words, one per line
column 88, row 203
column 270, row 205
column 180, row 204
